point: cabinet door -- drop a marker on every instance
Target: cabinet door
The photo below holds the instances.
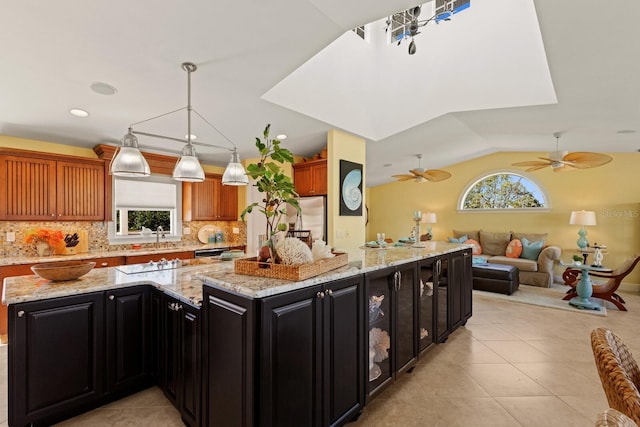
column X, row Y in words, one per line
column 320, row 179
column 128, row 338
column 343, row 344
column 442, row 301
column 28, row 189
column 427, row 291
column 55, row 357
column 227, row 207
column 303, row 180
column 466, row 286
column 291, row 360
column 190, row 364
column 456, row 271
column 405, row 347
column 157, row 328
column 80, row 190
column 379, row 333
column 203, row 196
column 171, row 351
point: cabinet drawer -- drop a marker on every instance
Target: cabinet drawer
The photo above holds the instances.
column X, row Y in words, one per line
column 141, row 259
column 108, row 261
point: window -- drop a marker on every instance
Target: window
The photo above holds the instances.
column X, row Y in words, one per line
column 400, row 23
column 503, row 191
column 361, row 32
column 151, row 203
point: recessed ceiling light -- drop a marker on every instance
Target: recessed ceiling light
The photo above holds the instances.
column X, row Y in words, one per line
column 193, row 137
column 103, row 88
column 78, row 112
column 386, row 165
column 281, row 136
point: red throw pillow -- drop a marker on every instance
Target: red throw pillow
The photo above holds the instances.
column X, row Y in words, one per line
column 477, row 249
column 514, row 249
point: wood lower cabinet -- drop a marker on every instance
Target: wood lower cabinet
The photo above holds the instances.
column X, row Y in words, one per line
column 209, row 200
column 51, row 188
column 310, row 178
column 128, row 339
column 310, row 353
column 182, row 363
column 141, row 259
column 391, row 341
column 56, row 358
column 108, row 261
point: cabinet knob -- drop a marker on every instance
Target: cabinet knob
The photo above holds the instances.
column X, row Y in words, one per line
column 53, row 215
column 104, row 264
column 21, row 313
column 111, row 297
column 320, row 295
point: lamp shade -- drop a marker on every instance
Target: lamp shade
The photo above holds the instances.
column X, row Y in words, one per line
column 188, row 168
column 582, row 218
column 129, row 161
column 235, row 174
column 429, row 218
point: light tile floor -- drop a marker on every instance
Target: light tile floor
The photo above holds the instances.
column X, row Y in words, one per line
column 511, row 365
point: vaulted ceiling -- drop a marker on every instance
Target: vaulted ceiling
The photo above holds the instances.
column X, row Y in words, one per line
column 506, row 75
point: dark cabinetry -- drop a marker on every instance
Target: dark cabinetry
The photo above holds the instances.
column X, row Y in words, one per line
column 210, row 200
column 428, row 276
column 310, row 178
column 56, row 364
column 454, row 305
column 392, row 322
column 181, row 360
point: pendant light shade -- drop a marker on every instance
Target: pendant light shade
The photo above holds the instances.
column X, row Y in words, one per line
column 235, row 173
column 129, row 161
column 188, row 167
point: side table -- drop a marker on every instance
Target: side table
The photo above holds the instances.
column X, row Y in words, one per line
column 584, row 289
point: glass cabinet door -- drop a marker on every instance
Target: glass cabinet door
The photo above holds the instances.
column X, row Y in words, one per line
column 442, row 300
column 378, row 294
column 426, row 297
column 405, row 328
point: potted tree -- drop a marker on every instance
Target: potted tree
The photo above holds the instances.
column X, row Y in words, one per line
column 276, row 187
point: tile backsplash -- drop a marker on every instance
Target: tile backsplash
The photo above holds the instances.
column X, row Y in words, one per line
column 98, row 241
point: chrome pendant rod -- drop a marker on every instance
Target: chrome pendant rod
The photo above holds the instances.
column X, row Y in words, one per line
column 189, row 67
column 170, row 138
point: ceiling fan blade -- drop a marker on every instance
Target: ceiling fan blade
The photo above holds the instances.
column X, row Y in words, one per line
column 537, row 167
column 586, row 160
column 555, row 162
column 532, row 163
column 417, row 171
column 565, row 168
column 403, row 177
column 435, row 175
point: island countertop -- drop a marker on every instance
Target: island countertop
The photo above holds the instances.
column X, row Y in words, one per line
column 185, row 283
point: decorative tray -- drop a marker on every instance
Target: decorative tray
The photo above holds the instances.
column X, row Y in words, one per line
column 251, row 267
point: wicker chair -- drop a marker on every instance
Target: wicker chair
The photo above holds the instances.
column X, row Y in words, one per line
column 613, row 418
column 606, row 290
column 618, row 372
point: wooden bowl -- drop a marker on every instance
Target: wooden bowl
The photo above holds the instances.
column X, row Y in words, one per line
column 61, row 271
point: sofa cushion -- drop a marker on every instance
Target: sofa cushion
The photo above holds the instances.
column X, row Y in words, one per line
column 473, row 234
column 532, row 237
column 531, row 250
column 514, row 248
column 460, row 239
column 494, row 243
column 477, row 249
column 522, row 263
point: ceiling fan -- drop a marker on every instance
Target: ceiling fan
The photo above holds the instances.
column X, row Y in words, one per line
column 563, row 161
column 421, row 175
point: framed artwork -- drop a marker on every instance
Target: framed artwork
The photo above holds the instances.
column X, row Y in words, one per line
column 350, row 188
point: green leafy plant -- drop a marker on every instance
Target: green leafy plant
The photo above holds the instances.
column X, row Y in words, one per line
column 270, row 180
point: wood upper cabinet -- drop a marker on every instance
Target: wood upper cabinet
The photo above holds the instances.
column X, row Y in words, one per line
column 46, row 188
column 310, row 178
column 209, row 200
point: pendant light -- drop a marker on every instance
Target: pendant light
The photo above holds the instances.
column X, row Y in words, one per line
column 128, row 160
column 235, row 173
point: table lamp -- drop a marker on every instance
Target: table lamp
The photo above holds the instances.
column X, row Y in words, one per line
column 582, row 218
column 429, row 218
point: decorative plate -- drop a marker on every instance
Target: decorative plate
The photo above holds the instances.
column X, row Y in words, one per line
column 205, row 231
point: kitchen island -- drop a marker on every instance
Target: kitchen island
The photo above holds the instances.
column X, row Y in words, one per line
column 259, row 352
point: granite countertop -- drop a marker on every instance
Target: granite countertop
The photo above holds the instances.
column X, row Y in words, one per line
column 185, row 283
column 91, row 255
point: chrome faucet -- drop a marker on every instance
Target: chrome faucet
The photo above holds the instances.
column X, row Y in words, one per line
column 159, row 231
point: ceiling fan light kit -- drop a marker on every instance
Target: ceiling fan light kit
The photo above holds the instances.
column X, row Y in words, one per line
column 129, row 161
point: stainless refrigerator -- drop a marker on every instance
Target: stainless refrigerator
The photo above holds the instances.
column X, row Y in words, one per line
column 313, row 216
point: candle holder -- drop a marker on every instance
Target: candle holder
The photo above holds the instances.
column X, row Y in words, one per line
column 416, row 232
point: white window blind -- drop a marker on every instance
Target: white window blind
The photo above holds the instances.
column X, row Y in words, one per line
column 148, row 195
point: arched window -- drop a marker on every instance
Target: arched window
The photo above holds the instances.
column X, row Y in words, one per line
column 503, row 190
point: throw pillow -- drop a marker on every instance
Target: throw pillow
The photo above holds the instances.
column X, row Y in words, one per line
column 477, row 249
column 474, row 234
column 531, row 250
column 461, row 239
column 532, row 237
column 494, row 243
column 514, row 249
